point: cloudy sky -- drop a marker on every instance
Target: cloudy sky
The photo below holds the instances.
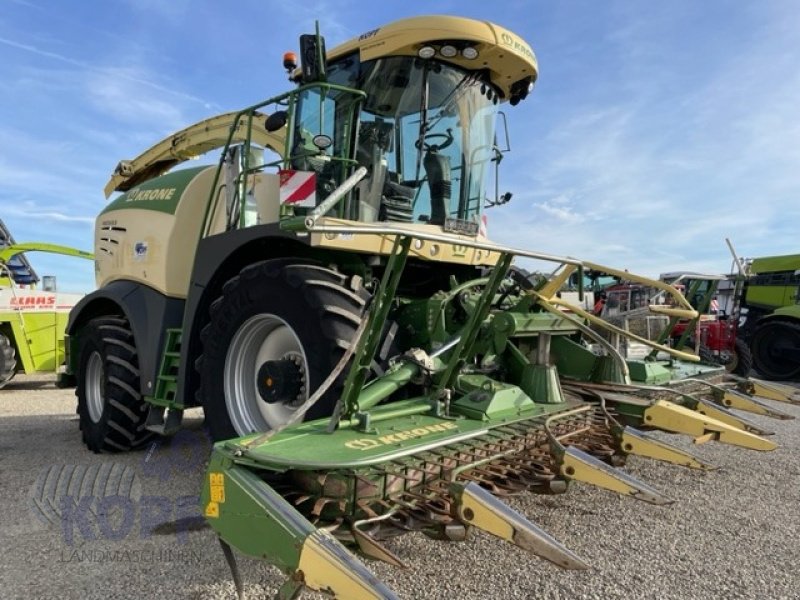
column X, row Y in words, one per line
column 656, row 129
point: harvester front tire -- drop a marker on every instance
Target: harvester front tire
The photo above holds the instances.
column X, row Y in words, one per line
column 111, row 410
column 275, row 311
column 8, row 360
column 768, row 342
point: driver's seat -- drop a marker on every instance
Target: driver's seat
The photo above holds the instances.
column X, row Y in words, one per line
column 437, row 170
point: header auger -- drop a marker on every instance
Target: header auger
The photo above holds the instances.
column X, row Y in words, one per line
column 366, row 359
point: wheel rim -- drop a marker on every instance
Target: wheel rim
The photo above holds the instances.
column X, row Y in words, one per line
column 261, row 338
column 94, row 386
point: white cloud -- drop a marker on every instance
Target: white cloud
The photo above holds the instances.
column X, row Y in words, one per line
column 665, row 151
column 560, row 208
column 116, row 92
column 130, row 75
column 48, row 215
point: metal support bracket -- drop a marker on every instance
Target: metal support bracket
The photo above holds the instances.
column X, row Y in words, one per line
column 376, row 317
column 470, row 332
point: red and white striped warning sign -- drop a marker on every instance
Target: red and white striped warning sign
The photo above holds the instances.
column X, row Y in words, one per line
column 298, row 188
column 483, row 229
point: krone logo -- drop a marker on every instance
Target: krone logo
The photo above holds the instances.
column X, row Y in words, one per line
column 400, row 436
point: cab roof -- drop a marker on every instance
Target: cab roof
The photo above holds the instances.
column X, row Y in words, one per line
column 506, row 57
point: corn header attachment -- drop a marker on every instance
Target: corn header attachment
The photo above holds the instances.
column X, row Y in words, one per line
column 477, row 408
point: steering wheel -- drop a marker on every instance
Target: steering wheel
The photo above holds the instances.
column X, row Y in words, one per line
column 429, row 146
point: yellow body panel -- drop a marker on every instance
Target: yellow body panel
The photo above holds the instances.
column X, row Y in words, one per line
column 639, row 445
column 678, row 419
column 37, row 320
column 507, row 57
column 421, row 249
column 740, row 401
column 326, row 566
column 189, row 143
column 166, row 242
column 774, row 391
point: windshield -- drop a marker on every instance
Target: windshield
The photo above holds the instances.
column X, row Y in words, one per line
column 426, row 137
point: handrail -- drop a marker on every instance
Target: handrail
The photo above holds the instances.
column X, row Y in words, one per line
column 613, row 328
column 319, row 225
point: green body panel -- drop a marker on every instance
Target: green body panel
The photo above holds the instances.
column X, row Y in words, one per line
column 768, row 264
column 769, row 296
column 485, row 398
column 161, row 194
column 791, row 311
column 773, row 282
column 38, row 337
column 541, row 382
column 572, row 359
column 649, row 372
column 253, row 517
column 310, row 446
column 519, row 324
column 575, row 361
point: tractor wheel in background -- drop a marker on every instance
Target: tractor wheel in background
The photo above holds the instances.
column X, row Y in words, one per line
column 742, row 361
column 276, row 332
column 8, row 360
column 769, row 344
column 706, row 354
column 111, row 410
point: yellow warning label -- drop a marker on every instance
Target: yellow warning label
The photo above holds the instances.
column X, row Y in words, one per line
column 216, row 484
column 212, row 510
column 217, row 493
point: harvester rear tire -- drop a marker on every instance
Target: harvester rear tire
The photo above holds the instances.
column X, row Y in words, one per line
column 111, row 410
column 767, row 343
column 742, row 361
column 273, row 311
column 8, row 360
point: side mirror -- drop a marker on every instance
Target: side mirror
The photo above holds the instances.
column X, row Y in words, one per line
column 276, row 121
column 312, row 57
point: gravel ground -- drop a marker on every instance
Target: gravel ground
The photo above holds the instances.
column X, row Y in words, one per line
column 733, row 533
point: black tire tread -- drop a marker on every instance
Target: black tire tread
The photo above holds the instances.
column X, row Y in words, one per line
column 744, row 358
column 756, row 340
column 125, row 411
column 8, row 360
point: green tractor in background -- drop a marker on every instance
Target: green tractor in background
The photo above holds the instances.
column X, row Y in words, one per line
column 770, row 309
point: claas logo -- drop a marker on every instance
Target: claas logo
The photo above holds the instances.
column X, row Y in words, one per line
column 33, row 301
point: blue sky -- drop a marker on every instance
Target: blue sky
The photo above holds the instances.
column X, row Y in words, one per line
column 655, row 129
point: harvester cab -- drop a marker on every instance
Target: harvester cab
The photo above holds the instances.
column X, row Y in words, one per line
column 363, row 360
